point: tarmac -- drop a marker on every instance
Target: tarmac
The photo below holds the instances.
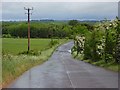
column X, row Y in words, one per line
column 63, row 71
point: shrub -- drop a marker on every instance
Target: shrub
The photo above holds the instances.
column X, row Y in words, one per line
column 31, row 52
column 6, row 36
column 53, row 42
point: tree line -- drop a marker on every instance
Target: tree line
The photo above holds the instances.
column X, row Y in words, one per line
column 44, row 30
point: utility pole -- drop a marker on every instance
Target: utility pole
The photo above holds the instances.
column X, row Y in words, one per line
column 28, row 13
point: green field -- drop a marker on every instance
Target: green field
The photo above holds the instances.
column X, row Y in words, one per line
column 14, row 46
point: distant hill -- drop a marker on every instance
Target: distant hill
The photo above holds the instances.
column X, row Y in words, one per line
column 43, row 20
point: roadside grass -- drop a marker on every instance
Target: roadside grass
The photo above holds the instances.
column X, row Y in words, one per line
column 13, row 65
column 101, row 63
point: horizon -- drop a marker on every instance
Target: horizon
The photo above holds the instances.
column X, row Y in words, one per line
column 55, row 20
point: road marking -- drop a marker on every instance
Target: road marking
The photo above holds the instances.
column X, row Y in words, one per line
column 67, row 72
column 76, row 71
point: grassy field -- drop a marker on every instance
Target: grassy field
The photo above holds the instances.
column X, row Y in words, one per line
column 13, row 65
column 14, row 46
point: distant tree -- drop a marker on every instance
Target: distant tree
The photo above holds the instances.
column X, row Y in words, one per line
column 73, row 22
column 89, row 27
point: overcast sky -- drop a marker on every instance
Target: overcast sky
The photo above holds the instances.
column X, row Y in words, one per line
column 60, row 10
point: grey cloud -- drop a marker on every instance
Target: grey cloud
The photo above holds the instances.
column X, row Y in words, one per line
column 61, row 10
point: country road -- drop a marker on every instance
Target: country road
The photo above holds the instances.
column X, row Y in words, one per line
column 62, row 71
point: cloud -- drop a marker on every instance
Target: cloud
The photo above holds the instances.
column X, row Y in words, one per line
column 60, row 0
column 61, row 10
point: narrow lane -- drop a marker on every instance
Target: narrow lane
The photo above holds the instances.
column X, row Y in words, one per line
column 62, row 71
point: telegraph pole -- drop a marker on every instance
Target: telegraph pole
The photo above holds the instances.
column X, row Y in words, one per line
column 28, row 13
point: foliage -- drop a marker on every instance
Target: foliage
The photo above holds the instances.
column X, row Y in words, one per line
column 31, row 52
column 73, row 22
column 41, row 29
column 6, row 36
column 102, row 43
column 53, row 42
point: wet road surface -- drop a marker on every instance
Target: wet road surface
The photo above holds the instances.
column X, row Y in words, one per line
column 62, row 71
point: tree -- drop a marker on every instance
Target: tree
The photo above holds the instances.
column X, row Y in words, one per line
column 73, row 22
column 117, row 52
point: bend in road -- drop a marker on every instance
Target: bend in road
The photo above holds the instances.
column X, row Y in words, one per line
column 62, row 71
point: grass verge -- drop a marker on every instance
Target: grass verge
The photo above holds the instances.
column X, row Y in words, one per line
column 15, row 65
column 101, row 63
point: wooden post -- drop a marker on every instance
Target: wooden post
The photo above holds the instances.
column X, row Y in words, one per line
column 28, row 10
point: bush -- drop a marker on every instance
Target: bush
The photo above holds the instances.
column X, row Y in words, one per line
column 53, row 42
column 6, row 36
column 102, row 43
column 31, row 52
